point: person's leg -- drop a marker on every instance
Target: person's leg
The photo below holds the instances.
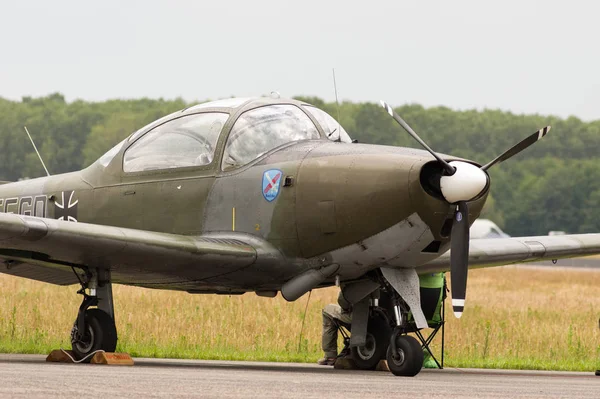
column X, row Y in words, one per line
column 345, row 318
column 330, row 333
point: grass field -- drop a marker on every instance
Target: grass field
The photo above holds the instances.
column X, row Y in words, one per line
column 526, row 318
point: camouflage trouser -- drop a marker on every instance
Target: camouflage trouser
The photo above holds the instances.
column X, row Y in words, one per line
column 330, row 332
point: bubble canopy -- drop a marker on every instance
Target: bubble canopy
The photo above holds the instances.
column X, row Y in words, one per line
column 249, row 128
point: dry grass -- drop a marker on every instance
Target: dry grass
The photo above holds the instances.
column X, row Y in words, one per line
column 515, row 317
column 529, row 318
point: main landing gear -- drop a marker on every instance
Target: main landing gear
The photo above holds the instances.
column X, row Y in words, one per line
column 94, row 328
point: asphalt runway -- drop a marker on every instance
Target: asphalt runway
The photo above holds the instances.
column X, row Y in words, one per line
column 30, row 376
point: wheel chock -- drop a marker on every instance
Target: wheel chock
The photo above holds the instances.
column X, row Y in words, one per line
column 60, row 356
column 382, row 366
column 344, row 363
column 121, row 359
column 64, row 356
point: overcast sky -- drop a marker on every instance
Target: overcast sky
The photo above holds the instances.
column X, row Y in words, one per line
column 524, row 56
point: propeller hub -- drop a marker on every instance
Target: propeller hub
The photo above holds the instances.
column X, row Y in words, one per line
column 467, row 183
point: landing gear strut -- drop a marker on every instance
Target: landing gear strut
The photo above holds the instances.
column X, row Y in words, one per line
column 94, row 328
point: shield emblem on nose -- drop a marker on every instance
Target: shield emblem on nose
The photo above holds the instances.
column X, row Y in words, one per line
column 271, row 183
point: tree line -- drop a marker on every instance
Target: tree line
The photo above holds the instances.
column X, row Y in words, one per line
column 553, row 185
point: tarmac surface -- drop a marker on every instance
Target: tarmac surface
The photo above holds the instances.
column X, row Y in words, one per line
column 30, row 376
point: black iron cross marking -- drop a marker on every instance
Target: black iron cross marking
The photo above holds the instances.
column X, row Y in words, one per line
column 68, row 212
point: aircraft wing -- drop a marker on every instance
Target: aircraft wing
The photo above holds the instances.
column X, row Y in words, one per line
column 48, row 249
column 487, row 252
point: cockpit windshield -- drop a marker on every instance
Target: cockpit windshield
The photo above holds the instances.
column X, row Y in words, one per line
column 105, row 159
column 333, row 130
column 261, row 129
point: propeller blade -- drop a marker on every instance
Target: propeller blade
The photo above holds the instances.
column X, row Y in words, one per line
column 449, row 169
column 517, row 148
column 459, row 257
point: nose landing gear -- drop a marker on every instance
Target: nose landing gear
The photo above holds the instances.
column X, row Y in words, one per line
column 404, row 355
column 94, row 329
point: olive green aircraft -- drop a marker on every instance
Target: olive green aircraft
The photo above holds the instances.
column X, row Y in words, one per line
column 263, row 195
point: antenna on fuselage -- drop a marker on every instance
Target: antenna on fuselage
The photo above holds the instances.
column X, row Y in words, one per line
column 36, row 151
column 338, row 108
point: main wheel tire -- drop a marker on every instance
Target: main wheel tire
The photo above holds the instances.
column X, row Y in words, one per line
column 409, row 359
column 378, row 337
column 101, row 334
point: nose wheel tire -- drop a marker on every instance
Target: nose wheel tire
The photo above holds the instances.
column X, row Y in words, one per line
column 100, row 334
column 378, row 337
column 407, row 360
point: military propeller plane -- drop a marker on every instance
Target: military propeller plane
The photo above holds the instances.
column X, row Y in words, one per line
column 262, row 195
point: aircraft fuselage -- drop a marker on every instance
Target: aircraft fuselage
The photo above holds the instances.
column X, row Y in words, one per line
column 360, row 206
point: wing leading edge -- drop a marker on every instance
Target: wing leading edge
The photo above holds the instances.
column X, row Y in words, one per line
column 46, row 249
column 490, row 252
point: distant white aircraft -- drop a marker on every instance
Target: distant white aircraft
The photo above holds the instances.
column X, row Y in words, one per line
column 485, row 228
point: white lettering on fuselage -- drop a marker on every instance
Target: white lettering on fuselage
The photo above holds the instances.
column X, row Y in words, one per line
column 28, row 205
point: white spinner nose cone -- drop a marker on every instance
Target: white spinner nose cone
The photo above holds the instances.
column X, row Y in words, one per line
column 465, row 184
